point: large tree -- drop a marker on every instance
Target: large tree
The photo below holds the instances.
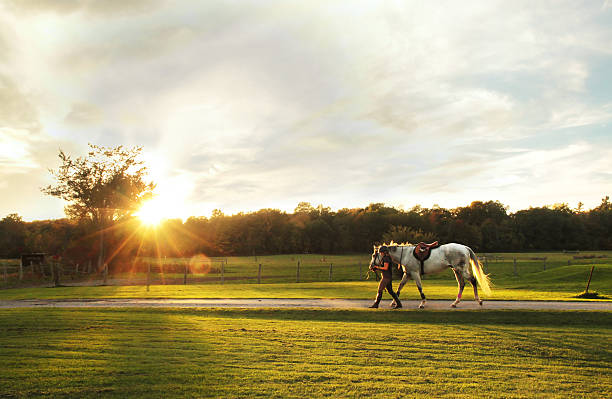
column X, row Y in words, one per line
column 12, row 236
column 102, row 187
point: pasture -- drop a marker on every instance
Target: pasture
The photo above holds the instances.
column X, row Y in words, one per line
column 314, row 353
column 560, row 277
column 296, row 353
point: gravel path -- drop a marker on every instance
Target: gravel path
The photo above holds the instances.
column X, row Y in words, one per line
column 298, row 303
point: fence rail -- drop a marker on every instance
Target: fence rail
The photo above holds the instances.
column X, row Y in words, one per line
column 258, row 269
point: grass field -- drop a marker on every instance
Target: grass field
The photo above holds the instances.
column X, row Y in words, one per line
column 558, row 283
column 314, row 353
column 313, row 268
column 297, row 353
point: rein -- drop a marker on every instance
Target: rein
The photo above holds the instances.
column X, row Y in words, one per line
column 367, row 275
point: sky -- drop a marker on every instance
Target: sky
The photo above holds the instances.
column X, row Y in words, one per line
column 244, row 105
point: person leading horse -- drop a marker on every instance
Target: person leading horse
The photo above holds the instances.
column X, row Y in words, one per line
column 387, row 279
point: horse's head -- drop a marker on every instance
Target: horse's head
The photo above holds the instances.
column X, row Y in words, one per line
column 377, row 255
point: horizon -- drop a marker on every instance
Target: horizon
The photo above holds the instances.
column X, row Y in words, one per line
column 249, row 106
column 335, row 210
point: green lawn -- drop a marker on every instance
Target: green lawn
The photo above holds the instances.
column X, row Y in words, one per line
column 561, row 283
column 301, row 353
column 535, row 279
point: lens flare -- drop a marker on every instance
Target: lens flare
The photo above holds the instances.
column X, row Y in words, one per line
column 199, row 264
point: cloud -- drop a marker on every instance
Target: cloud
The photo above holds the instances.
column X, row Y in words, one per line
column 16, row 111
column 530, row 177
column 82, row 114
column 25, row 154
column 243, row 105
column 91, row 7
column 15, row 151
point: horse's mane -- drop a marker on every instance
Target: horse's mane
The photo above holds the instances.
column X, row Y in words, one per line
column 394, row 245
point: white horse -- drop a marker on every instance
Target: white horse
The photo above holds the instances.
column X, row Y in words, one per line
column 460, row 258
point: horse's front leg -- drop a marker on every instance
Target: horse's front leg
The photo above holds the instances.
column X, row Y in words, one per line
column 402, row 283
column 405, row 279
column 417, row 279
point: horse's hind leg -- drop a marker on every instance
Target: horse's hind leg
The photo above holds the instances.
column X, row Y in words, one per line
column 475, row 285
column 461, row 282
column 417, row 279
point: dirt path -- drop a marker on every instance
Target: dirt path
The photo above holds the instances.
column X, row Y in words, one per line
column 298, row 303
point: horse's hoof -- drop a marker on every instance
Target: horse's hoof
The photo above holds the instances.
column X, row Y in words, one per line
column 453, row 305
column 392, row 304
column 421, row 306
column 480, row 303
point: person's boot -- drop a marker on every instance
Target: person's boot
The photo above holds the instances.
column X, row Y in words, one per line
column 376, row 302
column 396, row 302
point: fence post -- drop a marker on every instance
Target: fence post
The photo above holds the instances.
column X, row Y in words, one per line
column 105, row 273
column 20, row 271
column 589, row 282
column 330, row 271
column 259, row 274
column 297, row 273
column 148, row 275
column 76, row 269
column 222, row 272
column 89, row 266
column 56, row 277
column 184, row 273
column 515, row 272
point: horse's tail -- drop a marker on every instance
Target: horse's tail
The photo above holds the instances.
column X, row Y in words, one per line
column 481, row 277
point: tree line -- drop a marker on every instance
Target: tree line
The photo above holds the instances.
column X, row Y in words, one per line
column 484, row 226
column 104, row 189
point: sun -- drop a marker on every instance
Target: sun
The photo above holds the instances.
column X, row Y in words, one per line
column 152, row 212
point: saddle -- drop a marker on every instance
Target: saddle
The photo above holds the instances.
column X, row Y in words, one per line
column 422, row 252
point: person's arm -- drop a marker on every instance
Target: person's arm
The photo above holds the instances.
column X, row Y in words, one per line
column 385, row 266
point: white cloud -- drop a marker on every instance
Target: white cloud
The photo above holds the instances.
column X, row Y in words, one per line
column 249, row 104
column 14, row 151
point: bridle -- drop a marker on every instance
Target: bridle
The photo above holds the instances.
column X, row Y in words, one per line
column 378, row 257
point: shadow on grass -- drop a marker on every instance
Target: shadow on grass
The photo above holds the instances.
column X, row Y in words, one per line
column 570, row 318
column 91, row 353
column 590, row 295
